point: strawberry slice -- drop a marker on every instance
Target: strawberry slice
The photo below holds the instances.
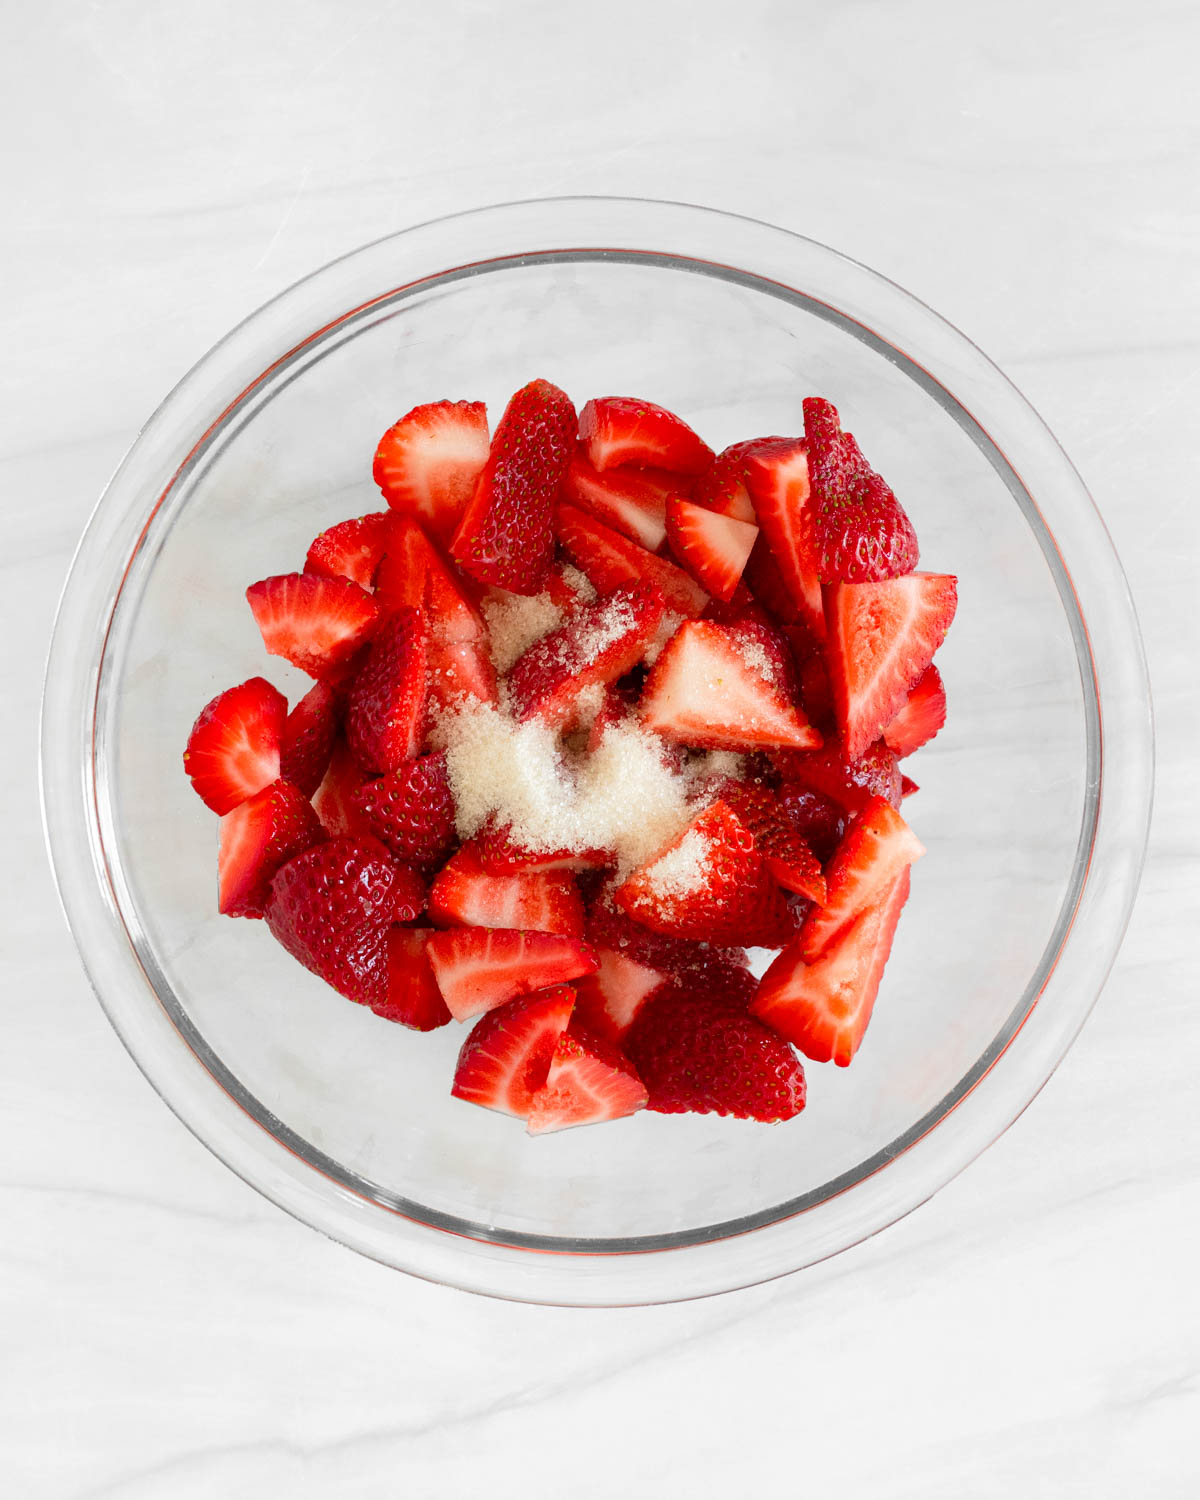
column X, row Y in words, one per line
column 778, row 481
column 611, row 560
column 257, row 837
column 598, row 644
column 428, row 463
column 849, row 783
column 710, row 885
column 770, row 653
column 882, row 637
column 335, row 800
column 608, row 1001
column 413, row 574
column 588, row 1081
column 465, row 895
column 824, row 1007
column 477, row 968
column 316, row 623
column 459, row 670
column 351, row 549
column 500, row 854
column 713, row 548
column 411, row 810
column 877, row 847
column 854, row 529
column 631, row 501
column 413, row 998
column 788, row 857
column 233, row 749
column 698, row 1053
column 922, row 714
column 624, row 430
column 722, row 486
column 507, row 1057
column 385, row 713
column 308, row 736
column 710, row 689
column 506, row 535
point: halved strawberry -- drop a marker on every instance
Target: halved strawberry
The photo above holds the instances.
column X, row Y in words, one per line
column 233, row 749
column 308, row 736
column 506, row 1059
column 713, row 548
column 875, row 850
column 428, row 463
column 882, row 637
column 608, row 1001
column 411, row 810
column 458, row 670
column 316, row 623
column 257, row 837
column 478, row 967
column 413, row 998
column 824, row 1007
column 625, row 430
column 501, row 855
column 611, row 560
column 920, row 717
column 709, row 689
column 386, row 710
column 413, row 574
column 335, row 800
column 588, row 1081
column 506, row 535
column 778, row 481
column 465, row 895
column 631, row 501
column 849, row 783
column 788, row 857
column 351, row 549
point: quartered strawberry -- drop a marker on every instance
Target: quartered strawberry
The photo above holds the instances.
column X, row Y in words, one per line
column 386, row 708
column 920, row 717
column 233, row 749
column 768, row 585
column 257, row 837
column 712, row 547
column 849, row 783
column 428, row 463
column 351, row 549
column 624, row 430
column 465, row 895
column 588, row 1081
column 854, row 528
column 316, row 623
column 631, row 501
column 824, row 1007
column 411, row 810
column 413, row 574
column 335, row 800
column 611, row 560
column 413, row 998
column 608, row 1001
column 478, row 967
column 506, row 535
column 722, row 486
column 767, row 648
column 501, row 855
column 598, row 644
column 877, row 848
column 788, row 857
column 308, row 736
column 882, row 637
column 710, row 689
column 817, row 819
column 458, row 670
column 700, row 1054
column 506, row 1059
column 778, row 480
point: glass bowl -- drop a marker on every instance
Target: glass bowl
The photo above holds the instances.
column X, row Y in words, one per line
column 1034, row 800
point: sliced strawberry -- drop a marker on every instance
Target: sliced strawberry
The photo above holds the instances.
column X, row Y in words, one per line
column 920, row 717
column 607, row 1002
column 817, row 819
column 709, row 689
column 768, row 585
column 385, row 714
column 413, row 998
column 854, row 529
column 882, row 637
column 318, row 624
column 257, row 837
column 414, row 574
column 501, row 855
column 233, row 749
column 428, row 463
column 625, row 430
column 788, row 857
column 778, row 481
column 743, row 606
column 877, row 847
column 588, row 1081
column 465, row 895
column 713, row 548
column 335, row 800
column 816, row 692
column 506, row 535
column 631, row 501
column 722, row 486
column 478, row 967
column 460, row 670
column 351, row 549
column 767, row 649
column 611, row 561
column 908, row 786
column 698, row 1053
column 308, row 737
column 824, row 1007
column 849, row 783
column 506, row 1059
column 411, row 810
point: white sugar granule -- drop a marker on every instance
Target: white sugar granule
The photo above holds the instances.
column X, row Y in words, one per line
column 579, row 584
column 669, row 624
column 515, row 621
column 681, row 869
column 754, row 654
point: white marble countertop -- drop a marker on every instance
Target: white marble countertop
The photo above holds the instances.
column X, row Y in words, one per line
column 1030, row 170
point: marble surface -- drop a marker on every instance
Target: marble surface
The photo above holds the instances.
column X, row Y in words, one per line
column 1030, row 171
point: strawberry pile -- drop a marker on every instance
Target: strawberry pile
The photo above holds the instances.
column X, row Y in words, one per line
column 594, row 710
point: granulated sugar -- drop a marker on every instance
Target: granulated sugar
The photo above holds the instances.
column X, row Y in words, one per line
column 755, row 655
column 579, row 583
column 681, row 869
column 515, row 621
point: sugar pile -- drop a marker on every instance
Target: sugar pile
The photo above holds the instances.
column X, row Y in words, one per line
column 515, row 621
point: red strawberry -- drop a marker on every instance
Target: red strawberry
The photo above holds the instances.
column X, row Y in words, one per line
column 854, row 528
column 318, row 624
column 908, row 786
column 778, row 481
column 701, row 1054
column 335, row 800
column 610, row 927
column 385, row 714
column 816, row 692
column 882, row 637
column 631, row 501
column 713, row 548
column 817, row 819
column 413, row 998
column 788, row 857
column 411, row 810
column 506, row 1059
column 506, row 535
column 876, row 849
column 410, row 895
column 768, row 648
column 823, row 1007
column 722, row 486
column 624, row 430
column 428, row 463
column 712, row 972
column 608, row 1000
column 308, row 737
column 920, row 717
column 465, row 895
column 710, row 885
column 849, row 783
column 459, row 670
column 611, row 560
column 257, row 837
column 331, row 908
column 743, row 606
column 588, row 1081
column 709, row 689
column 351, row 549
column 233, row 749
column 500, row 855
column 768, row 585
column 414, row 574
column 478, row 967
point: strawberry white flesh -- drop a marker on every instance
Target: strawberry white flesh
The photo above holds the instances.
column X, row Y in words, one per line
column 428, row 462
column 713, row 548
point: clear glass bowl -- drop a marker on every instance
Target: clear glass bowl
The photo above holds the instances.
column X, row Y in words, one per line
column 1034, row 800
